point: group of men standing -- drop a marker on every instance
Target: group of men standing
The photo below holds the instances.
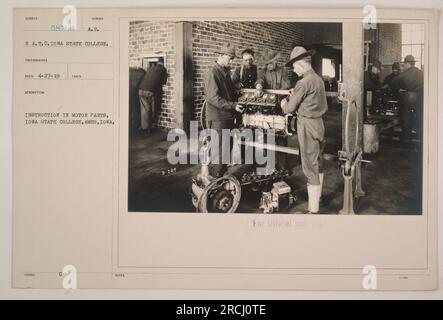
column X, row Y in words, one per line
column 307, row 100
column 408, row 86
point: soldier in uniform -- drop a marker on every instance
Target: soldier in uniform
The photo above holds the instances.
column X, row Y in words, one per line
column 308, row 101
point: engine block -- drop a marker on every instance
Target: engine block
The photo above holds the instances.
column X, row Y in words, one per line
column 264, row 112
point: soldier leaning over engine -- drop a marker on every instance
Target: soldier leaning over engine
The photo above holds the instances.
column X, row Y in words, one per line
column 308, row 101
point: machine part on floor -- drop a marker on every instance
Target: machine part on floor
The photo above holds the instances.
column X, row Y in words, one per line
column 280, row 197
column 351, row 158
column 257, row 181
column 221, row 195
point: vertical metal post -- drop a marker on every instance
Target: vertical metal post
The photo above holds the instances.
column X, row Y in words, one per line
column 348, row 203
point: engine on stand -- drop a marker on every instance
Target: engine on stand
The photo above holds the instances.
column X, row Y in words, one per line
column 264, row 112
column 223, row 195
column 383, row 103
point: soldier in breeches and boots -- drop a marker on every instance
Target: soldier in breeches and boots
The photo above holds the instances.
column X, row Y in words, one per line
column 308, row 101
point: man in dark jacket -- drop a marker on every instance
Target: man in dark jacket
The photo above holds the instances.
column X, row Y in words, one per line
column 371, row 83
column 150, row 92
column 221, row 104
column 135, row 77
column 395, row 72
column 410, row 82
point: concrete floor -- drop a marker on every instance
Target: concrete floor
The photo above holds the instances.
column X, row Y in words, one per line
column 391, row 181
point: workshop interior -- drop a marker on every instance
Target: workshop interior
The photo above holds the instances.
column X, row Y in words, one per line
column 373, row 127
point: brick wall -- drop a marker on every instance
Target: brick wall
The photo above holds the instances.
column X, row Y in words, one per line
column 208, row 36
column 385, row 45
column 389, row 46
column 147, row 37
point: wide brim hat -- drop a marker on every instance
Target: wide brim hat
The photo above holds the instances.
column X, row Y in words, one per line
column 299, row 53
column 227, row 49
column 270, row 56
column 409, row 58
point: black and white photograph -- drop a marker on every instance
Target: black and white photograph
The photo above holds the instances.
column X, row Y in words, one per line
column 232, row 148
column 300, row 138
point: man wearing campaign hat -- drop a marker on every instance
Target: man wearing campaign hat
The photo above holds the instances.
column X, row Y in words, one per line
column 410, row 82
column 221, row 101
column 273, row 76
column 308, row 101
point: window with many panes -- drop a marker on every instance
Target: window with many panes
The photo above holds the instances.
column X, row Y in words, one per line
column 412, row 42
